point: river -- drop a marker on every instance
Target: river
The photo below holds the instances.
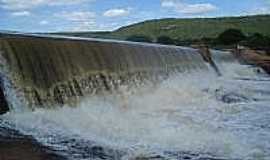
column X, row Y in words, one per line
column 194, row 115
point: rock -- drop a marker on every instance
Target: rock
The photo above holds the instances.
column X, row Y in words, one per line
column 233, row 98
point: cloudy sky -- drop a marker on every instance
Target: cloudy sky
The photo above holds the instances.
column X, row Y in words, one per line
column 100, row 15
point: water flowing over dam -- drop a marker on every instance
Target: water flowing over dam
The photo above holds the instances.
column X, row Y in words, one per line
column 102, row 99
column 52, row 71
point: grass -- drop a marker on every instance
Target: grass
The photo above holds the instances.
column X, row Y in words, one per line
column 186, row 29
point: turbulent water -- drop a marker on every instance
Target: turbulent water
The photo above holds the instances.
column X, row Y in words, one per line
column 195, row 115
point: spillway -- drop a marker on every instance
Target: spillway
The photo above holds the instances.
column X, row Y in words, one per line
column 49, row 71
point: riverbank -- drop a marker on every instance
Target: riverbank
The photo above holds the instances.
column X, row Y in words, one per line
column 257, row 58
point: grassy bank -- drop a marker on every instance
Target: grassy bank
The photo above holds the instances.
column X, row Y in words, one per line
column 186, row 29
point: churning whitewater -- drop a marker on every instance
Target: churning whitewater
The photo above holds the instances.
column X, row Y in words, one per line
column 192, row 115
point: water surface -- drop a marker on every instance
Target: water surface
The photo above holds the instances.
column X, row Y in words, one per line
column 193, row 115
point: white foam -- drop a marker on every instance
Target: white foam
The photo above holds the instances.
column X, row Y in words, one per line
column 176, row 115
column 181, row 114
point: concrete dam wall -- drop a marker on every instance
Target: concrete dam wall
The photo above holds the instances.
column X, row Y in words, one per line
column 48, row 71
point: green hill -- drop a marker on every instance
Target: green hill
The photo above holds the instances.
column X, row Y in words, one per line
column 187, row 29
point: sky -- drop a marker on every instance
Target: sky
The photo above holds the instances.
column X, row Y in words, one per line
column 107, row 15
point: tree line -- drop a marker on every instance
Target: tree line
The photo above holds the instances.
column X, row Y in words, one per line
column 228, row 38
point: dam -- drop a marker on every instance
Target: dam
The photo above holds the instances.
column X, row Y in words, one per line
column 83, row 98
column 57, row 70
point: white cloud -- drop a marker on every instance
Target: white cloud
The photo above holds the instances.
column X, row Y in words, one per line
column 66, row 2
column 84, row 26
column 43, row 22
column 76, row 16
column 168, row 3
column 186, row 8
column 263, row 9
column 79, row 20
column 116, row 12
column 21, row 13
column 29, row 4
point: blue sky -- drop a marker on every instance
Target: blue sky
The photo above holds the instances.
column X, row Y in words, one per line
column 100, row 15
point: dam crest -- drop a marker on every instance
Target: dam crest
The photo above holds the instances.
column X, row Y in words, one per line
column 50, row 70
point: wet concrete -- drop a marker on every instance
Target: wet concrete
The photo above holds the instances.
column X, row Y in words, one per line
column 55, row 71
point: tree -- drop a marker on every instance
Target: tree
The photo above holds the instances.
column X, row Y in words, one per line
column 206, row 40
column 258, row 41
column 139, row 38
column 165, row 40
column 231, row 36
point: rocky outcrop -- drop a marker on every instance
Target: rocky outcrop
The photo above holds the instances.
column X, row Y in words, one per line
column 52, row 71
column 253, row 57
column 207, row 57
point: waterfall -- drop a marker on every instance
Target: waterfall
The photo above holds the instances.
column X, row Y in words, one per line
column 51, row 71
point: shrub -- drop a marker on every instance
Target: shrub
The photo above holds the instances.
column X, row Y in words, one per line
column 258, row 41
column 165, row 40
column 230, row 36
column 139, row 38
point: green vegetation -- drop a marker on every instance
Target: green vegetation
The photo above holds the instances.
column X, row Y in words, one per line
column 191, row 29
column 165, row 40
column 227, row 39
column 187, row 29
column 230, row 36
column 252, row 31
column 257, row 41
column 139, row 38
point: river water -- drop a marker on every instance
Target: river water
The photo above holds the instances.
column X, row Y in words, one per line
column 194, row 115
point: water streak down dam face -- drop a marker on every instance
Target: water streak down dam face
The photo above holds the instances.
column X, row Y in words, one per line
column 46, row 71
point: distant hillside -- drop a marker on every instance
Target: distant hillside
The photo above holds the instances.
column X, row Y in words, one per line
column 187, row 29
